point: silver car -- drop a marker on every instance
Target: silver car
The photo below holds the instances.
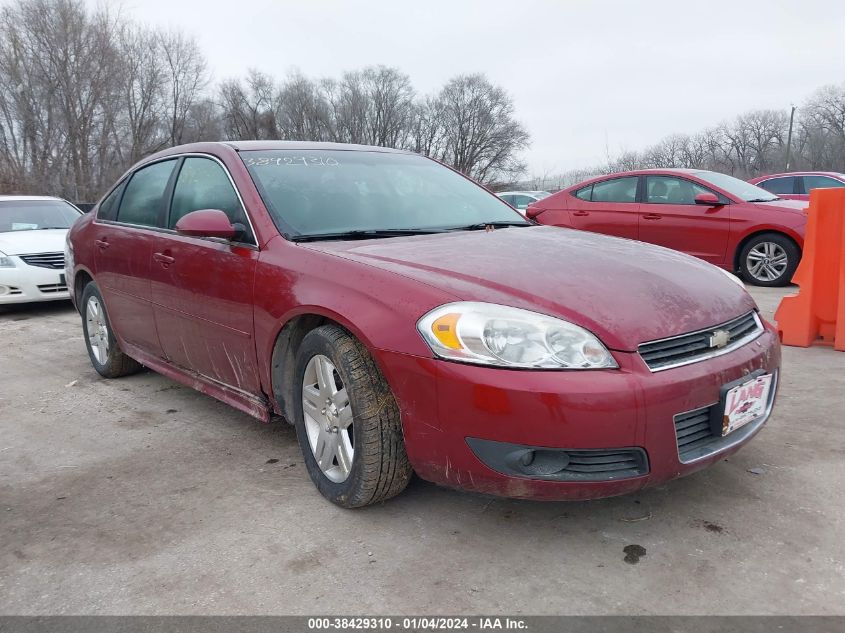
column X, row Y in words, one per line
column 520, row 200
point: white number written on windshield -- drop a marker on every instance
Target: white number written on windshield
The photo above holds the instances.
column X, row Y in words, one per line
column 307, row 161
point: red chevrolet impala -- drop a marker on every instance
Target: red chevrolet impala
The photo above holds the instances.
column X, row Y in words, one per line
column 405, row 319
column 721, row 219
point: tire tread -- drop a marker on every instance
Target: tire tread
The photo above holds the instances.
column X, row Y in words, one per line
column 384, row 467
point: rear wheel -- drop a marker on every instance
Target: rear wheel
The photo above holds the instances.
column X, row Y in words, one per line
column 347, row 421
column 769, row 259
column 103, row 350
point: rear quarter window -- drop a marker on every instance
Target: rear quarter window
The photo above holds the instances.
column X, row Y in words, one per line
column 616, row 190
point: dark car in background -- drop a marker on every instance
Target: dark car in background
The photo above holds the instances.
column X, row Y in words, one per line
column 718, row 218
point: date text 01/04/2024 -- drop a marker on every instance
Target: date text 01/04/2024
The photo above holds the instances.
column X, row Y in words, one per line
column 417, row 623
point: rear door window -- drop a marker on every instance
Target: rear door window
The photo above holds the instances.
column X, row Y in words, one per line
column 108, row 207
column 819, row 182
column 144, row 201
column 779, row 186
column 616, row 190
column 204, row 184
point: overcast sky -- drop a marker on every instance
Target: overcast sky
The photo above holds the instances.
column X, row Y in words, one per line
column 586, row 77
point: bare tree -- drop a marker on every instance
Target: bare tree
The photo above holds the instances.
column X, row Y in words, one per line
column 480, row 136
column 824, row 127
column 391, row 104
column 186, row 77
column 143, row 106
column 249, row 111
column 303, row 111
column 69, row 58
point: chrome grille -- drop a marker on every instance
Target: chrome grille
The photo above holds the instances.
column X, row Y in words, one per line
column 702, row 344
column 45, row 260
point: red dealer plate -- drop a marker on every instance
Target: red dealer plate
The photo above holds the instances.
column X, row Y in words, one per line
column 746, row 402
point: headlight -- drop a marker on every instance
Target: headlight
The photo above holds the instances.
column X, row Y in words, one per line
column 490, row 334
column 6, row 262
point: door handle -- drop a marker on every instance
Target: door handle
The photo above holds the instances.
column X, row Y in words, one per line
column 651, row 216
column 102, row 244
column 164, row 260
column 580, row 214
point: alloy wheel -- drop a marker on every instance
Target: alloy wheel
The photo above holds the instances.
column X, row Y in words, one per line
column 766, row 261
column 328, row 418
column 98, row 330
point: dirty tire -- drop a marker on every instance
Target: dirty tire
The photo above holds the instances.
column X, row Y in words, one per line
column 116, row 363
column 793, row 255
column 380, row 467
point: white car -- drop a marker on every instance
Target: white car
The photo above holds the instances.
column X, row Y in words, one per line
column 520, row 200
column 32, row 243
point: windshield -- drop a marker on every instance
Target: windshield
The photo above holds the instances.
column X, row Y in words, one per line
column 737, row 188
column 32, row 215
column 541, row 194
column 315, row 192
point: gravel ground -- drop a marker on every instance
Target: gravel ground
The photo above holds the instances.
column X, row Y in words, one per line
column 139, row 496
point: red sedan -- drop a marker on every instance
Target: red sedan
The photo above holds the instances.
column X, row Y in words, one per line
column 716, row 217
column 797, row 185
column 405, row 319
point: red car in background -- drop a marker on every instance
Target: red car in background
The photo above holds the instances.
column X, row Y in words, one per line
column 798, row 184
column 718, row 218
column 403, row 318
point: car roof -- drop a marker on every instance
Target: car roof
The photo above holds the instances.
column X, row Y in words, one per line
column 637, row 172
column 246, row 146
column 520, row 193
column 35, row 198
column 834, row 174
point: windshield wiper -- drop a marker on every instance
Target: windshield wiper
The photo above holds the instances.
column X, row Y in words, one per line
column 496, row 224
column 362, row 234
column 764, row 199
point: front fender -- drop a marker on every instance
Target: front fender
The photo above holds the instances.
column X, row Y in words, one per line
column 379, row 307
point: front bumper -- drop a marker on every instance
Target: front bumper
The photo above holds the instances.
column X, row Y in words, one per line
column 448, row 408
column 25, row 284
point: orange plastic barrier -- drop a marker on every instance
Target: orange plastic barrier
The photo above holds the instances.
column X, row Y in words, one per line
column 816, row 315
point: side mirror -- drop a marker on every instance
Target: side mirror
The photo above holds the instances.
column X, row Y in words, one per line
column 532, row 212
column 708, row 199
column 206, row 223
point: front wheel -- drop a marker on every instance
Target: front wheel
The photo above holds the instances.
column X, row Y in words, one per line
column 347, row 421
column 769, row 259
column 105, row 354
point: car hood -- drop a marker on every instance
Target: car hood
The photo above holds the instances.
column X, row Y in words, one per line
column 31, row 242
column 798, row 206
column 624, row 291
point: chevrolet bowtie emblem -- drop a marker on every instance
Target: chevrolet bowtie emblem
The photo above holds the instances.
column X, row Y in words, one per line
column 720, row 338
